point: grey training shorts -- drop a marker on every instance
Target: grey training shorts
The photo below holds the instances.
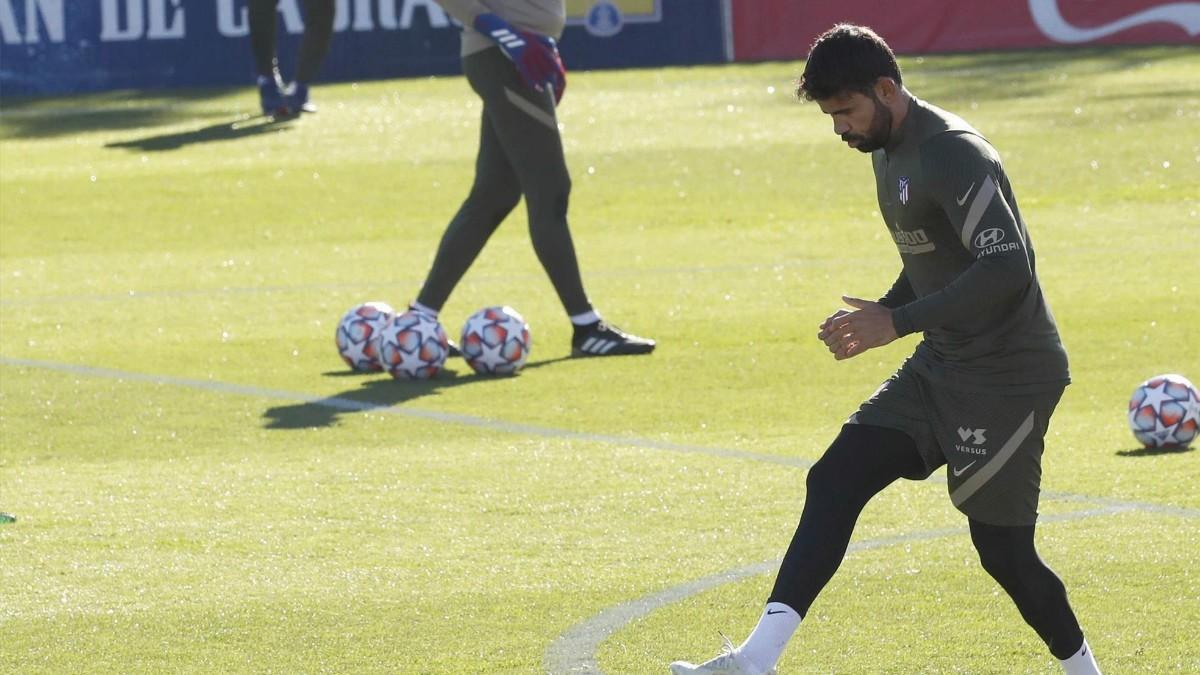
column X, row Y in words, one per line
column 991, row 444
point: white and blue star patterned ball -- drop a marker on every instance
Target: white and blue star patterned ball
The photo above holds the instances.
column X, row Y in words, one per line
column 1164, row 412
column 357, row 336
column 413, row 346
column 496, row 341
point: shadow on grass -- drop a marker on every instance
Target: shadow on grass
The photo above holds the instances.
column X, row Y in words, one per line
column 222, row 131
column 1150, row 452
column 382, row 392
column 49, row 117
column 1029, row 73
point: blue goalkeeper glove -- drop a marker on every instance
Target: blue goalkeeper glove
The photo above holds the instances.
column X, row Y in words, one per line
column 535, row 56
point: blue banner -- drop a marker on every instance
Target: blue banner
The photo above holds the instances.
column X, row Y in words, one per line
column 65, row 46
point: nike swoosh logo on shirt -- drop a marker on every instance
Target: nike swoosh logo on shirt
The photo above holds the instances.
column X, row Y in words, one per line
column 959, row 471
column 963, row 199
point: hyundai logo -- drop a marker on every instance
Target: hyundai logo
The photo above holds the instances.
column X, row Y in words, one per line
column 989, row 237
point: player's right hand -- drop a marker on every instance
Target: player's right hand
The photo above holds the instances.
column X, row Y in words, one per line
column 829, row 325
column 852, row 332
column 535, row 56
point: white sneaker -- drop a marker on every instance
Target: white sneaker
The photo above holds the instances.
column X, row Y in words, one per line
column 728, row 662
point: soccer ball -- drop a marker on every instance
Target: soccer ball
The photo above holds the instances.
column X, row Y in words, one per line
column 413, row 346
column 357, row 336
column 1164, row 412
column 496, row 341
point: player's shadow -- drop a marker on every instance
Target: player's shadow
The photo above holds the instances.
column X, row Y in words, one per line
column 222, row 131
column 381, row 392
column 38, row 116
column 1149, row 452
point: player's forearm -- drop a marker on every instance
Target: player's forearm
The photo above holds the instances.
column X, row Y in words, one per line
column 988, row 282
column 901, row 293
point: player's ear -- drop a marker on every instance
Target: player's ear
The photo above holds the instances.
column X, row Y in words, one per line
column 886, row 90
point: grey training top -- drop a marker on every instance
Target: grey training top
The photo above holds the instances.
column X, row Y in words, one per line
column 545, row 17
column 969, row 279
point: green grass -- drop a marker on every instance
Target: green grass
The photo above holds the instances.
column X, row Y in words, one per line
column 176, row 268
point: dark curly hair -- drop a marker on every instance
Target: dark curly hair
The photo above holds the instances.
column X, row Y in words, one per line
column 846, row 58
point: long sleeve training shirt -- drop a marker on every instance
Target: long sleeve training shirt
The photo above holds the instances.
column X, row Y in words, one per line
column 969, row 279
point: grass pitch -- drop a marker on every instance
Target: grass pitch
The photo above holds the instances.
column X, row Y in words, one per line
column 199, row 487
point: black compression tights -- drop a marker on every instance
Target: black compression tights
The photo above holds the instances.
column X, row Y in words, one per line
column 1008, row 554
column 318, row 32
column 862, row 461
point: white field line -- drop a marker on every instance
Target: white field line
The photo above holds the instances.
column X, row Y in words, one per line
column 134, row 294
column 575, row 650
column 741, row 268
column 339, row 403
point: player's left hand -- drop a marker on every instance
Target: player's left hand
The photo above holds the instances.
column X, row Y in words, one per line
column 535, row 56
column 557, row 81
column 851, row 333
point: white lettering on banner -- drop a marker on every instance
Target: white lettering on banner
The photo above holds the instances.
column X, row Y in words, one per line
column 387, row 14
column 131, row 20
column 164, row 24
column 292, row 22
column 8, row 24
column 363, row 19
column 361, row 14
column 51, row 12
column 160, row 29
column 1050, row 21
column 111, row 29
column 231, row 23
column 341, row 16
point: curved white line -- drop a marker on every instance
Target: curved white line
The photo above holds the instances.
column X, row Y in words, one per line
column 352, row 405
column 1050, row 21
column 575, row 651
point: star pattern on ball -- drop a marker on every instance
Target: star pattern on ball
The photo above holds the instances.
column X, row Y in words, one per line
column 1164, row 412
column 358, row 332
column 1156, row 396
column 413, row 346
column 495, row 340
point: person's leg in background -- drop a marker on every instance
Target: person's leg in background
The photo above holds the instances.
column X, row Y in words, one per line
column 263, row 20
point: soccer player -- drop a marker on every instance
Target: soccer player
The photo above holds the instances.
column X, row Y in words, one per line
column 511, row 60
column 276, row 99
column 976, row 395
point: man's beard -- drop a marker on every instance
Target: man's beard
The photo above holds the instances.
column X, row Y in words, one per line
column 880, row 132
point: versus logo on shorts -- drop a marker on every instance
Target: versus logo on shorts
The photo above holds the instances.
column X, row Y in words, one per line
column 971, row 440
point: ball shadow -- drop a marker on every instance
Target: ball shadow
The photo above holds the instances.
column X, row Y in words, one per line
column 1150, row 452
column 379, row 392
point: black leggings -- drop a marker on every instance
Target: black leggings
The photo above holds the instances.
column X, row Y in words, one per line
column 862, row 461
column 520, row 153
column 318, row 33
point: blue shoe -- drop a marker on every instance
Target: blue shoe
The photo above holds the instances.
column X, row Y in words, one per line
column 297, row 98
column 270, row 95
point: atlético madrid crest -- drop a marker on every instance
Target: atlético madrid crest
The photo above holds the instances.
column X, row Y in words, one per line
column 903, row 189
